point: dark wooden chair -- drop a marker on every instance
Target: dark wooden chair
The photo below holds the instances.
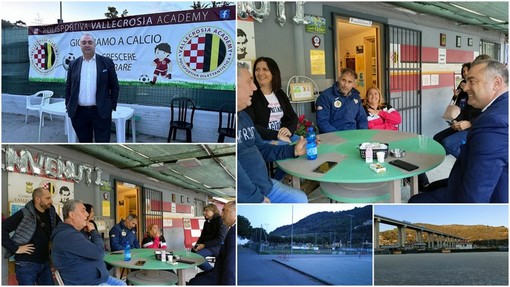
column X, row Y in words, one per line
column 182, row 112
column 227, row 128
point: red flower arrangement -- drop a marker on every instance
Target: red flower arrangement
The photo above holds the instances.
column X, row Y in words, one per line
column 303, row 125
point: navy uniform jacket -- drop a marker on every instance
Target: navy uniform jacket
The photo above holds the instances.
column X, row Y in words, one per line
column 119, row 235
column 336, row 112
column 107, row 86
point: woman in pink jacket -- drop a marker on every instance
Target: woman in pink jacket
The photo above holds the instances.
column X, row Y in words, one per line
column 154, row 239
column 381, row 116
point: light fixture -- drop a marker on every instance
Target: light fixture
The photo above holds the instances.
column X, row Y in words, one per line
column 466, row 9
column 159, row 167
column 189, row 162
column 497, row 20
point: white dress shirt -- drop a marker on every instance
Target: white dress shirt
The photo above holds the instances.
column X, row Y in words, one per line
column 88, row 83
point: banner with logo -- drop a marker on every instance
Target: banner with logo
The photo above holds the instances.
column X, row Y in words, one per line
column 21, row 186
column 193, row 48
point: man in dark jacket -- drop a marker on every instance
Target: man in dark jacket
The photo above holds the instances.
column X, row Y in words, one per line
column 91, row 93
column 30, row 242
column 224, row 270
column 79, row 259
column 480, row 174
column 122, row 232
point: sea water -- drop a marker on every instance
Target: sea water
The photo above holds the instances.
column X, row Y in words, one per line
column 473, row 268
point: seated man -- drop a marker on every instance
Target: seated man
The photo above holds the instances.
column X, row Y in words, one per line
column 480, row 174
column 79, row 259
column 339, row 108
column 124, row 232
column 224, row 270
column 254, row 183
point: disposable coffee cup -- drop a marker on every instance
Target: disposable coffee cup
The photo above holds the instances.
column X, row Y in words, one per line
column 423, row 140
column 380, row 156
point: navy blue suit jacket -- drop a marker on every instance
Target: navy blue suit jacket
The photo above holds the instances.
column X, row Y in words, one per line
column 107, row 86
column 225, row 266
column 480, row 174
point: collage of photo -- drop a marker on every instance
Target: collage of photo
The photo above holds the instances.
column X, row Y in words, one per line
column 257, row 143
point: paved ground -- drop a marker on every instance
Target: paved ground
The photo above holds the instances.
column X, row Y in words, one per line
column 254, row 269
column 14, row 130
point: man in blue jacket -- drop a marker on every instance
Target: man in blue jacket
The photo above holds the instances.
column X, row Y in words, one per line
column 340, row 108
column 480, row 174
column 124, row 232
column 253, row 182
column 78, row 259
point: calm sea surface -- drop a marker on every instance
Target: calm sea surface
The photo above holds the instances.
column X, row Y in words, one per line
column 480, row 268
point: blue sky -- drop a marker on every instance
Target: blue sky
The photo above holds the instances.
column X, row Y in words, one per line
column 49, row 11
column 492, row 215
column 272, row 216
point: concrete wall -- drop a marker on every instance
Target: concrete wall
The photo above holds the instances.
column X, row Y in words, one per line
column 153, row 120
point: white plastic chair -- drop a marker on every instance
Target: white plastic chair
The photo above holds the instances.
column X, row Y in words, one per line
column 34, row 103
column 59, row 278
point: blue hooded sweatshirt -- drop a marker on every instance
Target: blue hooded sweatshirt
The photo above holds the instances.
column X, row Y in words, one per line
column 78, row 259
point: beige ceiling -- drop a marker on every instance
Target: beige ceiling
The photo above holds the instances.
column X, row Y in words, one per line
column 215, row 175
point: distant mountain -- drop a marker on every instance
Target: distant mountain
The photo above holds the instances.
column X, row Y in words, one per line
column 329, row 226
column 472, row 233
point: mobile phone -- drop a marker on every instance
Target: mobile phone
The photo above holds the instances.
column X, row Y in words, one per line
column 325, row 167
column 403, row 165
column 140, row 263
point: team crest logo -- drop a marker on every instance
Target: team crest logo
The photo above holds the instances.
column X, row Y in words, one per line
column 205, row 52
column 44, row 56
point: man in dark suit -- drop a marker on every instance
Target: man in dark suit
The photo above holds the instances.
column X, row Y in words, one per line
column 224, row 271
column 480, row 174
column 91, row 93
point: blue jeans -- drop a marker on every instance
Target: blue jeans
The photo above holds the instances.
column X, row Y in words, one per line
column 205, row 252
column 451, row 140
column 112, row 281
column 33, row 273
column 281, row 193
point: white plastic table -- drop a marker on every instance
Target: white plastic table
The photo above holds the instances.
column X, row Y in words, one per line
column 119, row 117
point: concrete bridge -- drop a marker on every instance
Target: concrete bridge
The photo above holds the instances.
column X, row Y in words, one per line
column 434, row 239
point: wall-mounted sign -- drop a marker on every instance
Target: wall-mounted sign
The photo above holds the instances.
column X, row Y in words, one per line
column 316, row 41
column 23, row 161
column 360, row 22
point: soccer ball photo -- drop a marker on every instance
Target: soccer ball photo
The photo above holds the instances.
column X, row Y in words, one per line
column 67, row 60
column 144, row 79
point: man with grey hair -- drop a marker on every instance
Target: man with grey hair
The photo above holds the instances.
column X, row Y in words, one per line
column 124, row 233
column 91, row 93
column 254, row 183
column 30, row 242
column 480, row 174
column 78, row 259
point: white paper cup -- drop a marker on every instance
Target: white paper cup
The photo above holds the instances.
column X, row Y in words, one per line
column 423, row 141
column 380, row 156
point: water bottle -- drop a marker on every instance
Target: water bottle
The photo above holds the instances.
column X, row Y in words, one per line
column 311, row 146
column 127, row 252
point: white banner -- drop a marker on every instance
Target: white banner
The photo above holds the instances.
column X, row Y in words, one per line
column 192, row 49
